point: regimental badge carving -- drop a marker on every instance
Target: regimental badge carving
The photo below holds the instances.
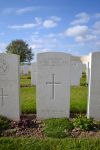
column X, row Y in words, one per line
column 3, row 65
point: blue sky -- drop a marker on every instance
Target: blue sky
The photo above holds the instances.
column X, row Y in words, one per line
column 72, row 26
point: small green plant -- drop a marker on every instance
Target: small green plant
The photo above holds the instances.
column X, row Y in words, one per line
column 4, row 123
column 83, row 79
column 84, row 75
column 83, row 123
column 29, row 77
column 57, row 128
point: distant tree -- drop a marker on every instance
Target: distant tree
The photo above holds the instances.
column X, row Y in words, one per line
column 21, row 48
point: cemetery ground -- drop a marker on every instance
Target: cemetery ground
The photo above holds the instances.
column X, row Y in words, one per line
column 54, row 134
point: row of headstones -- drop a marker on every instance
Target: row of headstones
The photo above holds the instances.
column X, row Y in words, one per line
column 76, row 71
column 25, row 69
column 86, row 61
column 53, row 85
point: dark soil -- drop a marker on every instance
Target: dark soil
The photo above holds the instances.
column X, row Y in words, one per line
column 29, row 126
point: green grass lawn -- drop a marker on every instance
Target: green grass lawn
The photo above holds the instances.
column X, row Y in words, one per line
column 25, row 80
column 57, row 127
column 49, row 144
column 28, row 99
column 78, row 98
column 28, row 105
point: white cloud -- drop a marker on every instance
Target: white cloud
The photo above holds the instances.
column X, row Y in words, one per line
column 76, row 31
column 40, row 42
column 81, row 18
column 98, row 43
column 24, row 10
column 97, row 15
column 43, row 44
column 24, row 26
column 80, row 34
column 85, row 38
column 55, row 18
column 51, row 22
column 35, row 34
column 96, row 27
column 2, row 46
column 20, row 11
column 37, row 22
column 51, row 35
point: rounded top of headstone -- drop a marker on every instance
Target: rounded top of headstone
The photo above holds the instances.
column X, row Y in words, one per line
column 8, row 54
column 75, row 58
column 53, row 53
column 96, row 52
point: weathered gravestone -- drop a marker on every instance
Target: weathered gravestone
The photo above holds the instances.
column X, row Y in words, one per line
column 33, row 73
column 86, row 61
column 94, row 87
column 76, row 70
column 9, row 86
column 53, row 85
column 87, row 72
column 25, row 69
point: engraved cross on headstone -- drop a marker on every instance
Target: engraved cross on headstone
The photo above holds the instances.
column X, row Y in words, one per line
column 2, row 95
column 53, row 83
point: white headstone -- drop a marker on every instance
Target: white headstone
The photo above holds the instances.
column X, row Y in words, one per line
column 24, row 69
column 87, row 72
column 21, row 69
column 9, row 86
column 53, row 85
column 94, row 87
column 33, row 73
column 76, row 70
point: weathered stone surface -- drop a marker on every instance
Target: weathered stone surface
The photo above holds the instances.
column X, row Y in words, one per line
column 53, row 85
column 33, row 73
column 9, row 86
column 94, row 87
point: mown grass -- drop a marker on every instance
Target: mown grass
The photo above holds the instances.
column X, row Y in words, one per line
column 49, row 144
column 25, row 80
column 57, row 127
column 28, row 99
column 83, row 81
column 78, row 98
column 54, row 127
